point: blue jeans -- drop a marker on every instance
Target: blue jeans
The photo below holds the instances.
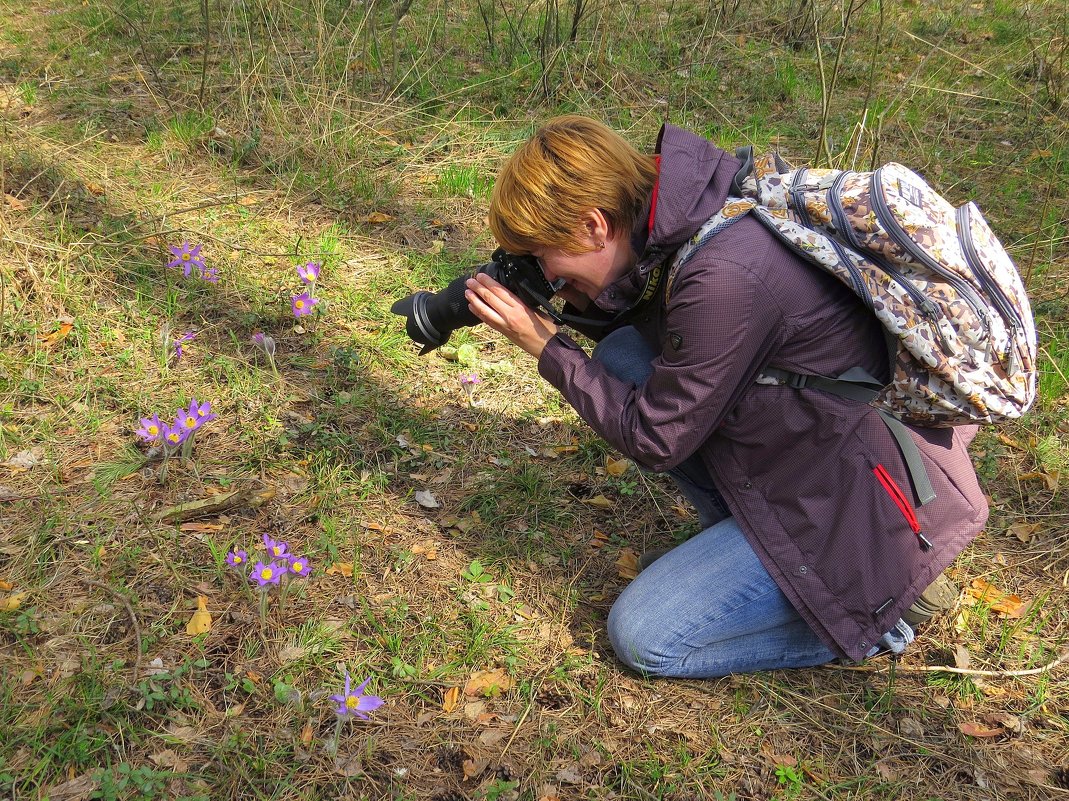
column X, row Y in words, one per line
column 707, row 608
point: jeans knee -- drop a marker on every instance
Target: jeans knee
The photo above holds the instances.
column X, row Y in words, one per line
column 631, row 642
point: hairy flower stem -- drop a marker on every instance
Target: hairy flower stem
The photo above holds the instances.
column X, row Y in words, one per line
column 187, row 447
column 263, row 605
column 337, row 735
column 247, row 582
column 165, row 347
column 283, row 592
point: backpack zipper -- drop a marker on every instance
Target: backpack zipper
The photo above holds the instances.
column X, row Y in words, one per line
column 972, row 258
column 903, row 504
column 927, row 308
column 799, row 202
column 894, row 230
column 846, row 232
column 835, row 197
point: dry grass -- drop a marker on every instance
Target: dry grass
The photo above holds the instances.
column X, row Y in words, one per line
column 306, row 157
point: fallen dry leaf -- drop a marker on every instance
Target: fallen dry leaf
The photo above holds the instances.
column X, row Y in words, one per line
column 340, row 569
column 616, row 467
column 306, row 734
column 1006, row 720
column 627, row 564
column 778, row 760
column 474, row 709
column 14, row 203
column 1025, row 532
column 488, row 683
column 26, row 460
column 6, row 585
column 570, row 774
column 979, row 730
column 450, row 699
column 201, row 528
column 170, row 759
column 57, row 336
column 12, row 602
column 377, row 218
column 427, row 550
column 599, row 502
column 79, row 788
column 474, row 767
column 201, row 622
column 493, row 736
column 1004, row 603
column 1049, row 477
column 962, row 657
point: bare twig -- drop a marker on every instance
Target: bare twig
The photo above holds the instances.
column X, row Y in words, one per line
column 204, row 57
column 148, row 60
column 1042, row 217
column 994, row 674
column 133, row 620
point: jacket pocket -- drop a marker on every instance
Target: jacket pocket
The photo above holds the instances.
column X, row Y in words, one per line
column 901, row 500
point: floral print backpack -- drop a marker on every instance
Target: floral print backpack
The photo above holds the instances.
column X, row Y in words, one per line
column 960, row 329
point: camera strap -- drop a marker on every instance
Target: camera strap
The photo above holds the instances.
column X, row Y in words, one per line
column 654, row 279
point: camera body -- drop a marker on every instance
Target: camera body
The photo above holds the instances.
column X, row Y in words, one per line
column 432, row 317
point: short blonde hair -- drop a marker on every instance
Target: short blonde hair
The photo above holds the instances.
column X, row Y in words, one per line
column 569, row 167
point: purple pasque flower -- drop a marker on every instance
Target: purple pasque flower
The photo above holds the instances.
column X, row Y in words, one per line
column 210, row 274
column 355, row 702
column 299, row 566
column 202, row 411
column 187, row 257
column 188, row 336
column 263, row 342
column 467, row 383
column 309, row 273
column 186, row 422
column 151, row 429
column 237, row 558
column 276, row 548
column 264, row 575
column 302, row 304
column 173, row 436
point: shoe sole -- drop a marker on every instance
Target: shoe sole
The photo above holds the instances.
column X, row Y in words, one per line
column 940, row 596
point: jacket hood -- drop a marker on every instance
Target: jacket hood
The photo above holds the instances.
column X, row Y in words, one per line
column 695, row 180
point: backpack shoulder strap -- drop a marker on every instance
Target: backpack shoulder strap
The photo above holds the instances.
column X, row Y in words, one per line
column 733, row 211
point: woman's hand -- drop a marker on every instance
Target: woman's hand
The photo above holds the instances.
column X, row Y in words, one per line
column 492, row 303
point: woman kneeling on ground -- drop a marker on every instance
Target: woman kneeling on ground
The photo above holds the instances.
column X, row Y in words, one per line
column 804, row 556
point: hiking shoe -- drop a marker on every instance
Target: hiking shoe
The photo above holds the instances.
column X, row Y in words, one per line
column 939, row 597
column 649, row 557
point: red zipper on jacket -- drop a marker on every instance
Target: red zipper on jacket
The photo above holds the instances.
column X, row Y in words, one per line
column 656, row 188
column 903, row 504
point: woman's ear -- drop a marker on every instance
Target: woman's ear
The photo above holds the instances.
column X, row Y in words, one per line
column 597, row 227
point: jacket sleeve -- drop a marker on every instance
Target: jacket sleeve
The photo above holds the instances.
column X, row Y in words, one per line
column 722, row 325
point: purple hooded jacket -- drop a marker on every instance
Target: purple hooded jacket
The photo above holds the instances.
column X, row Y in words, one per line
column 810, row 477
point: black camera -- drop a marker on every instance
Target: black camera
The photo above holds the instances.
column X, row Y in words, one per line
column 433, row 316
